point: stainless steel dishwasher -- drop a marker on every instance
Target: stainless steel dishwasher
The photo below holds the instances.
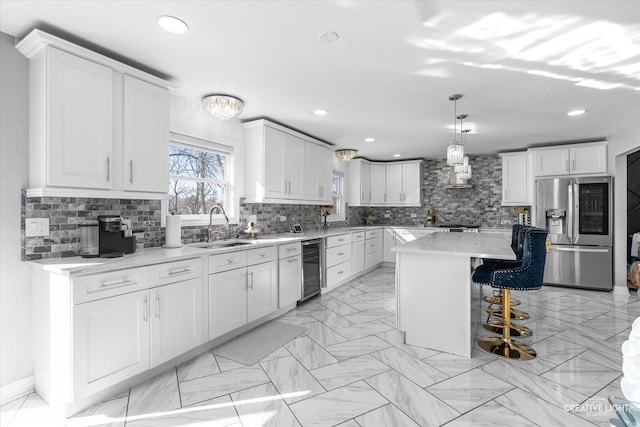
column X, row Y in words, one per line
column 311, row 268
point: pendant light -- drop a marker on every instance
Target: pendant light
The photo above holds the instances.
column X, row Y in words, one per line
column 464, row 171
column 463, row 167
column 455, row 150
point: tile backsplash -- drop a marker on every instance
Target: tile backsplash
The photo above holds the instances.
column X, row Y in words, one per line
column 478, row 205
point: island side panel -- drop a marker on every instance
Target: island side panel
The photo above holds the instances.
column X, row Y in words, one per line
column 434, row 301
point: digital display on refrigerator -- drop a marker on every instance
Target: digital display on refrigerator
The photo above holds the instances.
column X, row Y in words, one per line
column 593, row 208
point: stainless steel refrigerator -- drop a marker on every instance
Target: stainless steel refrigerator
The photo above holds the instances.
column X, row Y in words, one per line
column 578, row 214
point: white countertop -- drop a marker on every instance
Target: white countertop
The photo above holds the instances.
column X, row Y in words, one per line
column 78, row 266
column 481, row 245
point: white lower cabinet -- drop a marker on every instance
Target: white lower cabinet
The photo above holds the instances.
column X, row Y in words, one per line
column 289, row 274
column 357, row 252
column 373, row 248
column 111, row 338
column 176, row 319
column 227, row 301
column 241, row 295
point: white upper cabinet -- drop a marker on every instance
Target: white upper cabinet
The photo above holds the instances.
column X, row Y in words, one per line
column 378, row 184
column 98, row 127
column 282, row 166
column 576, row 159
column 383, row 184
column 146, row 136
column 516, row 180
column 71, row 130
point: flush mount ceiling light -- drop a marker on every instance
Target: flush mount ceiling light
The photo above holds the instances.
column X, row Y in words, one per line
column 320, row 112
column 346, row 154
column 369, row 139
column 223, row 106
column 455, row 150
column 397, row 155
column 328, row 36
column 173, row 25
column 576, row 112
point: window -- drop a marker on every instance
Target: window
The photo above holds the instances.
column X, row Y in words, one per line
column 337, row 197
column 198, row 180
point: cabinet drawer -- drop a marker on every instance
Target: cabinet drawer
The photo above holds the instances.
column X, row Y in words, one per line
column 259, row 255
column 289, row 249
column 357, row 236
column 227, row 261
column 372, row 234
column 372, row 259
column 97, row 286
column 338, row 240
column 372, row 245
column 338, row 273
column 176, row 271
column 338, row 254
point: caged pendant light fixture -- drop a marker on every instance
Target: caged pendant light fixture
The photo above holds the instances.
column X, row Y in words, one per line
column 455, row 150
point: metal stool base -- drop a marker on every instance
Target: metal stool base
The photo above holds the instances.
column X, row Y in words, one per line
column 507, row 348
column 515, row 330
column 515, row 314
column 498, row 300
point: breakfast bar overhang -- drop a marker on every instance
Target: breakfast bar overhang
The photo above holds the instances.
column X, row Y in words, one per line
column 437, row 303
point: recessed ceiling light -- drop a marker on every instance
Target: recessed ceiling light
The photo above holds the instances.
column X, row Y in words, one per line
column 576, row 112
column 369, row 139
column 320, row 112
column 397, row 155
column 173, row 25
column 329, row 36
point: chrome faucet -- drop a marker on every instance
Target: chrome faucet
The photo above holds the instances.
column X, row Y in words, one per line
column 210, row 228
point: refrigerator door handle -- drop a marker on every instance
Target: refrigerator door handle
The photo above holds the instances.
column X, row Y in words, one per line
column 570, row 212
column 573, row 249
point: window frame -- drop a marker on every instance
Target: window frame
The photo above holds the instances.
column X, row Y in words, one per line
column 205, row 145
column 341, row 216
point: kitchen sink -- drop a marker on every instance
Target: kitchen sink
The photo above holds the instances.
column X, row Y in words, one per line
column 223, row 244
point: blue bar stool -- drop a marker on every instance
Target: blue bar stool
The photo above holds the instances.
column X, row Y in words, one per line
column 524, row 274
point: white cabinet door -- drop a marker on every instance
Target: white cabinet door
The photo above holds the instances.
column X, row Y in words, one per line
column 325, row 175
column 262, row 296
column 394, row 184
column 110, row 341
column 227, row 301
column 176, row 319
column 311, row 171
column 357, row 257
column 378, row 184
column 365, row 184
column 294, row 165
column 411, row 184
column 589, row 159
column 276, row 183
column 146, row 137
column 79, row 146
column 389, row 242
column 552, row 161
column 515, row 189
column 290, row 280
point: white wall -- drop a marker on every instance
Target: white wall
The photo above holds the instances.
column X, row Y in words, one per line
column 626, row 141
column 15, row 276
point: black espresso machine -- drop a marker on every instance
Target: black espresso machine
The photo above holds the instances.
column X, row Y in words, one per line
column 114, row 239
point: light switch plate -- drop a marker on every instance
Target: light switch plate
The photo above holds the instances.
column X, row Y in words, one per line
column 36, row 227
column 414, row 215
column 283, row 218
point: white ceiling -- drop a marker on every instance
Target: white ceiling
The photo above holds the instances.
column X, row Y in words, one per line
column 521, row 65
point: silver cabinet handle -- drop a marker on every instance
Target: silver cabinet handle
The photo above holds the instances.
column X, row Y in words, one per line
column 341, row 240
column 292, row 260
column 291, row 249
column 262, row 255
column 108, row 283
column 157, row 306
column 230, row 261
column 340, row 272
column 131, row 171
column 573, row 164
column 179, row 271
column 251, row 280
column 108, row 168
column 146, row 309
column 285, row 186
column 566, row 165
column 340, row 253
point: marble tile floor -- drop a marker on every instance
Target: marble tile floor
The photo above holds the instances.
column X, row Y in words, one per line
column 351, row 368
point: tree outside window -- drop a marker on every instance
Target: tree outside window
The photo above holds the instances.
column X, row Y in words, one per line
column 197, row 179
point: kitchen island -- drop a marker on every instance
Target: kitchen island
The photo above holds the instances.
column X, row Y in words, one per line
column 437, row 303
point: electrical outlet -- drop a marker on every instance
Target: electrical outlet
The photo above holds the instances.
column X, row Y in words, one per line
column 387, row 215
column 414, row 215
column 36, row 227
column 283, row 218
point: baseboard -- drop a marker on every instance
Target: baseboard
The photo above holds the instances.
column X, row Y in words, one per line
column 17, row 389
